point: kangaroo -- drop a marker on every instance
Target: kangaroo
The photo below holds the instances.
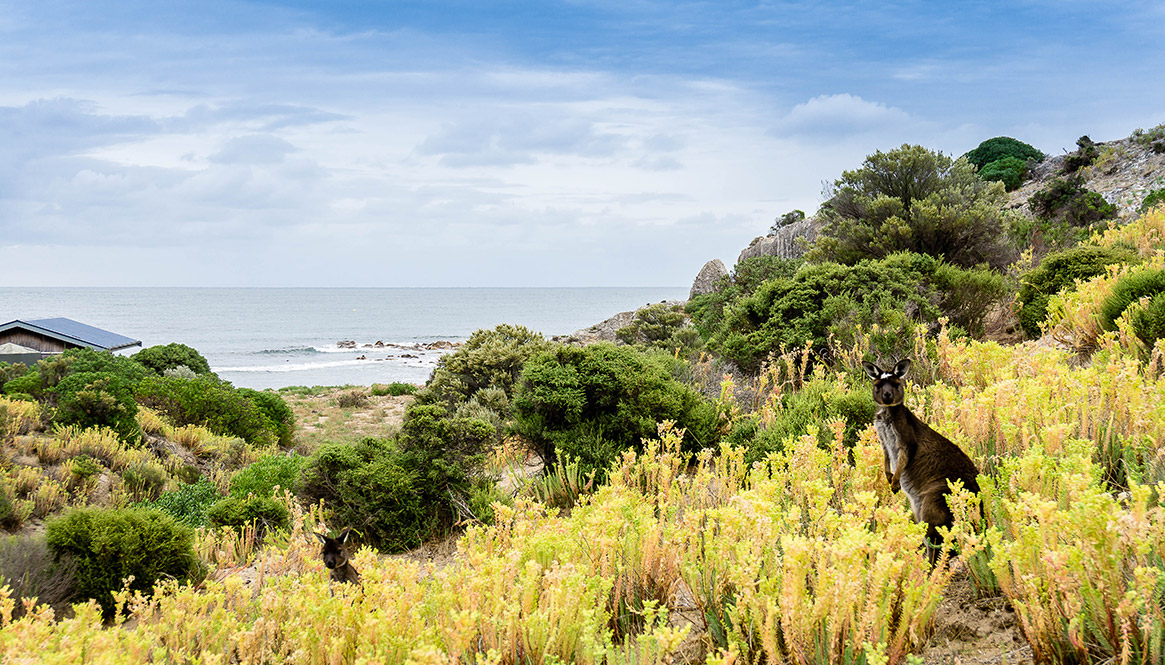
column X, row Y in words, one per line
column 919, row 460
column 336, row 557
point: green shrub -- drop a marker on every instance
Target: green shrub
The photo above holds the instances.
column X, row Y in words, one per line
column 1085, row 154
column 354, row 398
column 216, row 405
column 594, row 402
column 265, row 513
column 110, row 545
column 279, row 416
column 658, row 326
column 9, row 371
column 1002, row 147
column 787, row 219
column 396, row 389
column 913, row 200
column 188, row 503
column 82, row 360
column 1149, row 322
column 707, row 310
column 1010, row 171
column 380, row 490
column 488, row 359
column 171, row 356
column 1067, row 199
column 1058, row 272
column 825, row 303
column 26, row 384
column 1152, row 200
column 1130, row 289
column 144, row 480
column 1153, row 139
column 267, row 473
column 98, row 399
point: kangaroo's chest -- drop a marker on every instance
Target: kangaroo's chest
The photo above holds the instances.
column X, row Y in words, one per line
column 893, row 444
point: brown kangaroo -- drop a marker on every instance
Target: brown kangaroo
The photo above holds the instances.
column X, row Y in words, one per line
column 919, row 460
column 336, row 557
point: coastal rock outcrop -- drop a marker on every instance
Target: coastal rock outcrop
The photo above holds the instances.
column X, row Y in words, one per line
column 787, row 242
column 605, row 330
column 708, row 279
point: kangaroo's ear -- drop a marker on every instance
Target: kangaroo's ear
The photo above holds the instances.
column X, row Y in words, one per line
column 871, row 370
column 320, row 537
column 902, row 368
column 343, row 537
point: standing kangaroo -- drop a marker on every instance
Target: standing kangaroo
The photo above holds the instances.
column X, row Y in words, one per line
column 919, row 460
column 336, row 557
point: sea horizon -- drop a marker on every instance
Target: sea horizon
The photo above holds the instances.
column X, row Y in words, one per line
column 274, row 337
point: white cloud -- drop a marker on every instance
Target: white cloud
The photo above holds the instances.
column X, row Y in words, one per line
column 840, row 116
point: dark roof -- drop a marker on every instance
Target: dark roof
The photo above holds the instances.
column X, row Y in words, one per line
column 74, row 332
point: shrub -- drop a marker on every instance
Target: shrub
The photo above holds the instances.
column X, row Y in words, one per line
column 1068, row 200
column 110, row 545
column 28, row 383
column 1009, row 171
column 1149, row 321
column 144, row 480
column 1129, row 289
column 488, row 359
column 188, row 503
column 170, row 356
column 1058, row 272
column 209, row 402
column 707, row 310
column 396, row 389
column 9, row 371
column 77, row 361
column 1002, row 147
column 28, row 568
column 98, row 399
column 379, row 490
column 269, row 472
column 787, row 219
column 1153, row 139
column 594, row 402
column 356, row 398
column 1085, row 154
column 279, row 416
column 826, row 303
column 913, row 200
column 1152, row 199
column 265, row 513
column 658, row 326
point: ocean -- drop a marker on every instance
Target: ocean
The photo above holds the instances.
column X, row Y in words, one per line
column 278, row 337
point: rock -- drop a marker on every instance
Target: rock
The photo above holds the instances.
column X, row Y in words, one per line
column 787, row 242
column 346, row 344
column 605, row 330
column 708, row 281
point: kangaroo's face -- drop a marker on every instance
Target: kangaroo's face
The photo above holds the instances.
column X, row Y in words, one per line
column 334, row 550
column 889, row 388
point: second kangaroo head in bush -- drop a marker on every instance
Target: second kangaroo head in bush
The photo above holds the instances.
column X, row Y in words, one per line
column 336, row 557
column 918, row 460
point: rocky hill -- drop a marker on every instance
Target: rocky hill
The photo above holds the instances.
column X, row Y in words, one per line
column 1124, row 173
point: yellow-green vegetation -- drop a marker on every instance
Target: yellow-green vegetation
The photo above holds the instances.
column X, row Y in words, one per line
column 804, row 557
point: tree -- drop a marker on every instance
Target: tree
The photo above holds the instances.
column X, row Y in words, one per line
column 1000, row 147
column 916, row 200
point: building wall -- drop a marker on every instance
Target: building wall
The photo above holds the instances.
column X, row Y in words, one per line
column 34, row 341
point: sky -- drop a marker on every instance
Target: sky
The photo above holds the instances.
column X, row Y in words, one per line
column 478, row 143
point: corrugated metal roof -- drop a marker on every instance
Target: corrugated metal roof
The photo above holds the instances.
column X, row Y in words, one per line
column 76, row 332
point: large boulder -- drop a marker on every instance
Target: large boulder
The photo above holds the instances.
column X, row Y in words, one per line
column 709, row 278
column 787, row 242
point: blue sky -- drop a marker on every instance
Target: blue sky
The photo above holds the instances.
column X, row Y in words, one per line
column 505, row 143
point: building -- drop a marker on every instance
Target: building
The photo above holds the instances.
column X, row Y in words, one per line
column 19, row 340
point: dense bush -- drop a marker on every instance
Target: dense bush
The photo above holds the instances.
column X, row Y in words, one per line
column 28, row 383
column 660, row 326
column 1067, row 199
column 353, row 398
column 380, row 491
column 92, row 399
column 1130, row 289
column 1152, row 199
column 488, row 359
column 1002, row 147
column 1010, row 171
column 912, row 199
column 707, row 310
column 187, row 503
column 787, row 219
column 216, row 405
column 267, row 473
column 77, row 361
column 170, row 356
column 9, row 371
column 110, row 545
column 828, row 301
column 265, row 513
column 395, row 389
column 1086, row 154
column 1059, row 272
column 594, row 402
